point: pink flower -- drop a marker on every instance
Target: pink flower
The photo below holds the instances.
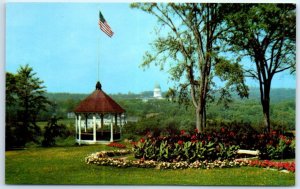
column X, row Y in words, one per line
column 194, row 137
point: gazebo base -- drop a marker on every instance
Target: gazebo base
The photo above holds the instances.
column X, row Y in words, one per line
column 93, row 142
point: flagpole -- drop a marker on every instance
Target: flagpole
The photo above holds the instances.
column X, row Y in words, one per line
column 107, row 30
column 98, row 52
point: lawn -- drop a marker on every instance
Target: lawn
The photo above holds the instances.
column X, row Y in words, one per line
column 65, row 165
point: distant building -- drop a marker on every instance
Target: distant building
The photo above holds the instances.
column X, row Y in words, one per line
column 157, row 92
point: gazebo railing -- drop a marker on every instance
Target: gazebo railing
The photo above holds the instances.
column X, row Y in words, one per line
column 100, row 136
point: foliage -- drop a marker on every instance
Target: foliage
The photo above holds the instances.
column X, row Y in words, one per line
column 265, row 33
column 24, row 101
column 52, row 131
column 214, row 144
column 189, row 48
column 185, row 148
column 284, row 149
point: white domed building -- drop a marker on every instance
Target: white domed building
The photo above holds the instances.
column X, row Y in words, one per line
column 157, row 92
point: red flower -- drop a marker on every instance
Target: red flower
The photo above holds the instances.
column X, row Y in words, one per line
column 222, row 130
column 288, row 142
column 273, row 132
column 196, row 130
column 282, row 137
column 180, row 142
column 194, row 137
column 208, row 137
column 142, row 140
column 232, row 133
column 117, row 145
column 182, row 132
column 270, row 142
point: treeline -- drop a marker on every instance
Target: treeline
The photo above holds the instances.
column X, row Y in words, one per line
column 134, row 105
column 241, row 111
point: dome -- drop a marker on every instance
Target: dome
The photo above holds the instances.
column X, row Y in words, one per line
column 157, row 92
column 157, row 86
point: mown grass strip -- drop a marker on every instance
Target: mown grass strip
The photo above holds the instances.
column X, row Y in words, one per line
column 65, row 165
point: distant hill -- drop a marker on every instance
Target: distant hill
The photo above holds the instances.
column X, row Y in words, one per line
column 65, row 96
column 277, row 95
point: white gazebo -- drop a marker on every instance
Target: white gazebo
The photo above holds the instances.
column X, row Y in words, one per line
column 98, row 118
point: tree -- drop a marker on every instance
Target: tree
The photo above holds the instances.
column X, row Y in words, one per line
column 27, row 93
column 187, row 44
column 267, row 34
column 53, row 130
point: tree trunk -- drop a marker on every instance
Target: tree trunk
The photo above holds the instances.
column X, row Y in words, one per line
column 198, row 119
column 266, row 108
column 265, row 102
column 204, row 117
column 266, row 112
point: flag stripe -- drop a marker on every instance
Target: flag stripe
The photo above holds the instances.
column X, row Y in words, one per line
column 104, row 25
column 106, row 29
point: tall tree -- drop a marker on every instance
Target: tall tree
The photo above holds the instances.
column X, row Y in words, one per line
column 187, row 43
column 27, row 92
column 267, row 34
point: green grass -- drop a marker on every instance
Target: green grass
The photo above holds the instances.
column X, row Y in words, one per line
column 65, row 165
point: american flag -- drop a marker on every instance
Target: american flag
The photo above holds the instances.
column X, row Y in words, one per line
column 104, row 25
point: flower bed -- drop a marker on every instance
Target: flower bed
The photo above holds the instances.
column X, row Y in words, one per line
column 214, row 145
column 101, row 158
column 289, row 166
column 104, row 158
column 106, row 154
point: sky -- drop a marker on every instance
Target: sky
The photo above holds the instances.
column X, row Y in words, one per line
column 63, row 44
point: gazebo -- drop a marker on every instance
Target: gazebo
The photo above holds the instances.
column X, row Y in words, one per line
column 98, row 118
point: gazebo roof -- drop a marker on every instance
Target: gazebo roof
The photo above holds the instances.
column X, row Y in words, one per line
column 98, row 102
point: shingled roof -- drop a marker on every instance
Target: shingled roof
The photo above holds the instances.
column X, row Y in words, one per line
column 98, row 102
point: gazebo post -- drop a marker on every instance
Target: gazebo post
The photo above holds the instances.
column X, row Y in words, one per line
column 120, row 115
column 79, row 131
column 111, row 131
column 76, row 126
column 86, row 122
column 94, row 128
column 116, row 119
column 101, row 116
